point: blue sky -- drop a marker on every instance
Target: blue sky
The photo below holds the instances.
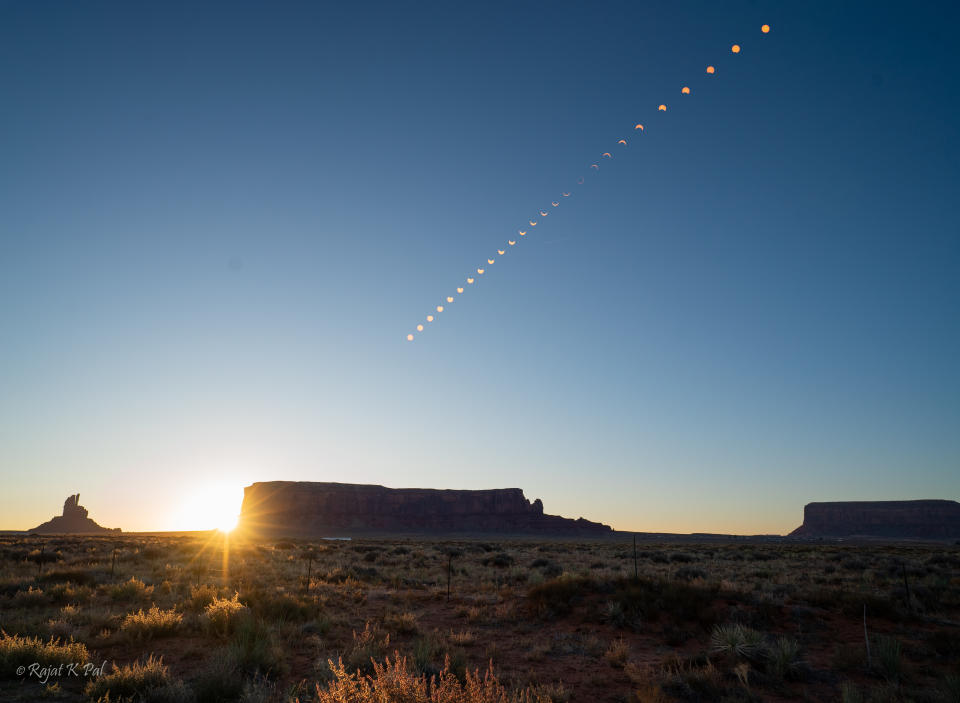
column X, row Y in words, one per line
column 219, row 222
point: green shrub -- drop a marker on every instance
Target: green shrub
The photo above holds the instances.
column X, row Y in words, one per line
column 677, row 601
column 557, row 597
column 219, row 681
column 500, row 560
column 280, row 607
column 253, row 649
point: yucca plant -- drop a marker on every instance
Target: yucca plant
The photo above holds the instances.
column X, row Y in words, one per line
column 784, row 658
column 738, row 642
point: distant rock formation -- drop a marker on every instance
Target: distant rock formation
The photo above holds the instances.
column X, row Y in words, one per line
column 896, row 519
column 73, row 521
column 305, row 508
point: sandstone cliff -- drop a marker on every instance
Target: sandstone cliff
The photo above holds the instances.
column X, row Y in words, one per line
column 73, row 521
column 304, row 508
column 899, row 519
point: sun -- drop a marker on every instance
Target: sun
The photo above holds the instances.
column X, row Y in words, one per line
column 210, row 506
column 228, row 523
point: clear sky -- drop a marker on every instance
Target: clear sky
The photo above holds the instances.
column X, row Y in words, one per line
column 219, row 221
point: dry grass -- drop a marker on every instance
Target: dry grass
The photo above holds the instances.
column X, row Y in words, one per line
column 222, row 615
column 153, row 623
column 17, row 651
column 558, row 620
column 394, row 681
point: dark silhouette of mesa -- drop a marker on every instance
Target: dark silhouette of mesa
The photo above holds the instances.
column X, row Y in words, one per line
column 306, row 508
column 892, row 519
column 74, row 521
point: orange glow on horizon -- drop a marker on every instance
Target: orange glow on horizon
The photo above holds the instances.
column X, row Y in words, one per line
column 662, row 108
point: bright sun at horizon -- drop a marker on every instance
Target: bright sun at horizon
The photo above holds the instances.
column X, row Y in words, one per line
column 211, row 506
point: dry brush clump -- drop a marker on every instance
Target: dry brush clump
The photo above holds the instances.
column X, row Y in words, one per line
column 223, row 615
column 17, row 651
column 152, row 623
column 395, row 681
column 132, row 682
column 134, row 589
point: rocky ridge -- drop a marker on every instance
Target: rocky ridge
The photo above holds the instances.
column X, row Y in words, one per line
column 305, row 508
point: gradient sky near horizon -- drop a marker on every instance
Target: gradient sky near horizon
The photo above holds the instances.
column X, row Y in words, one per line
column 218, row 222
